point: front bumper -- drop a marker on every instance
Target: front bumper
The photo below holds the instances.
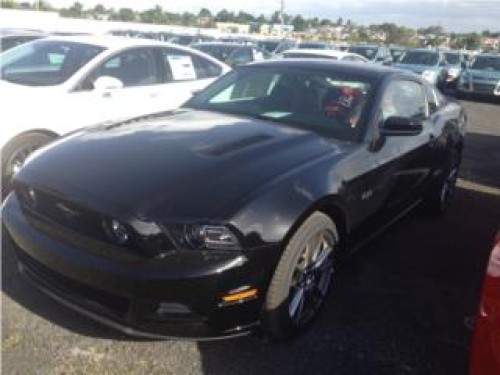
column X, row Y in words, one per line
column 179, row 296
column 485, row 88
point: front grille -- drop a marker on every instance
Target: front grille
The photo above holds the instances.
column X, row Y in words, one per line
column 75, row 291
column 63, row 212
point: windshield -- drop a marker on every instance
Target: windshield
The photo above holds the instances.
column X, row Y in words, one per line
column 323, row 102
column 368, row 52
column 269, row 46
column 452, row 58
column 219, row 52
column 45, row 63
column 420, row 58
column 486, row 63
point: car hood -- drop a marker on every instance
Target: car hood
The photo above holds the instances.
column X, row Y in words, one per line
column 8, row 89
column 484, row 74
column 416, row 68
column 190, row 164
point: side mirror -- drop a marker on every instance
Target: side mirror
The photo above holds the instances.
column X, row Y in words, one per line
column 401, row 126
column 104, row 83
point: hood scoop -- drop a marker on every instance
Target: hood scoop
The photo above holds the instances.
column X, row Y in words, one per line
column 222, row 149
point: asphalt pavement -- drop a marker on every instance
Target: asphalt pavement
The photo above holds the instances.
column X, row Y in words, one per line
column 403, row 305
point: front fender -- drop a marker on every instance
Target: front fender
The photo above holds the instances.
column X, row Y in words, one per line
column 270, row 216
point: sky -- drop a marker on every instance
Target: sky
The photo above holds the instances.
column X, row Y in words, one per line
column 453, row 15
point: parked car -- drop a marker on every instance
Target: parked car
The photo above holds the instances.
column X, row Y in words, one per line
column 276, row 46
column 187, row 40
column 430, row 64
column 10, row 38
column 232, row 212
column 323, row 53
column 374, row 53
column 485, row 349
column 482, row 77
column 314, row 45
column 55, row 85
column 231, row 53
column 456, row 63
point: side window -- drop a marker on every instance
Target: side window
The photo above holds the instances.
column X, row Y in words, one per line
column 404, row 99
column 135, row 67
column 184, row 66
column 205, row 68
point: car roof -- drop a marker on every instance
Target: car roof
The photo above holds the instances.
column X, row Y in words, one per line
column 423, row 50
column 111, row 42
column 20, row 32
column 373, row 71
column 319, row 52
column 488, row 55
column 365, row 45
column 221, row 44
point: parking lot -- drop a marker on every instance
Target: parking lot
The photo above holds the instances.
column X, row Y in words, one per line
column 403, row 305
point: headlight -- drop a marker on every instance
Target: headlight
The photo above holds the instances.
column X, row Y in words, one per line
column 430, row 75
column 116, row 231
column 200, row 236
column 454, row 72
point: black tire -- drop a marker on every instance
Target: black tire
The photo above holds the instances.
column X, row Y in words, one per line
column 298, row 270
column 16, row 151
column 439, row 197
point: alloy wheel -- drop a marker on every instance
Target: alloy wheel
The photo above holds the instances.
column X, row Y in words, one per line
column 311, row 278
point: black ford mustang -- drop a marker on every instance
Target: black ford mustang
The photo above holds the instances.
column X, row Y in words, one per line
column 233, row 211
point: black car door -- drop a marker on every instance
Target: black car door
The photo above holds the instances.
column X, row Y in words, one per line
column 405, row 162
column 399, row 165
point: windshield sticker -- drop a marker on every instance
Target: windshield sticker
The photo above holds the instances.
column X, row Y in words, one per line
column 182, row 67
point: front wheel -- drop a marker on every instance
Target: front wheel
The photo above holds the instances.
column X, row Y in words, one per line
column 15, row 153
column 438, row 199
column 302, row 278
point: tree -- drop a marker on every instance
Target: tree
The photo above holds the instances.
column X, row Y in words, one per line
column 472, row 41
column 299, row 23
column 74, row 11
column 276, row 17
column 42, row 6
column 8, row 4
column 99, row 9
column 326, row 22
column 126, row 15
column 204, row 12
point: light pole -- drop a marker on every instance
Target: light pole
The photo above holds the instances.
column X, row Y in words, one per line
column 282, row 17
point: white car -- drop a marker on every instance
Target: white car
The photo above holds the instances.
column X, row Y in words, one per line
column 52, row 86
column 324, row 54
